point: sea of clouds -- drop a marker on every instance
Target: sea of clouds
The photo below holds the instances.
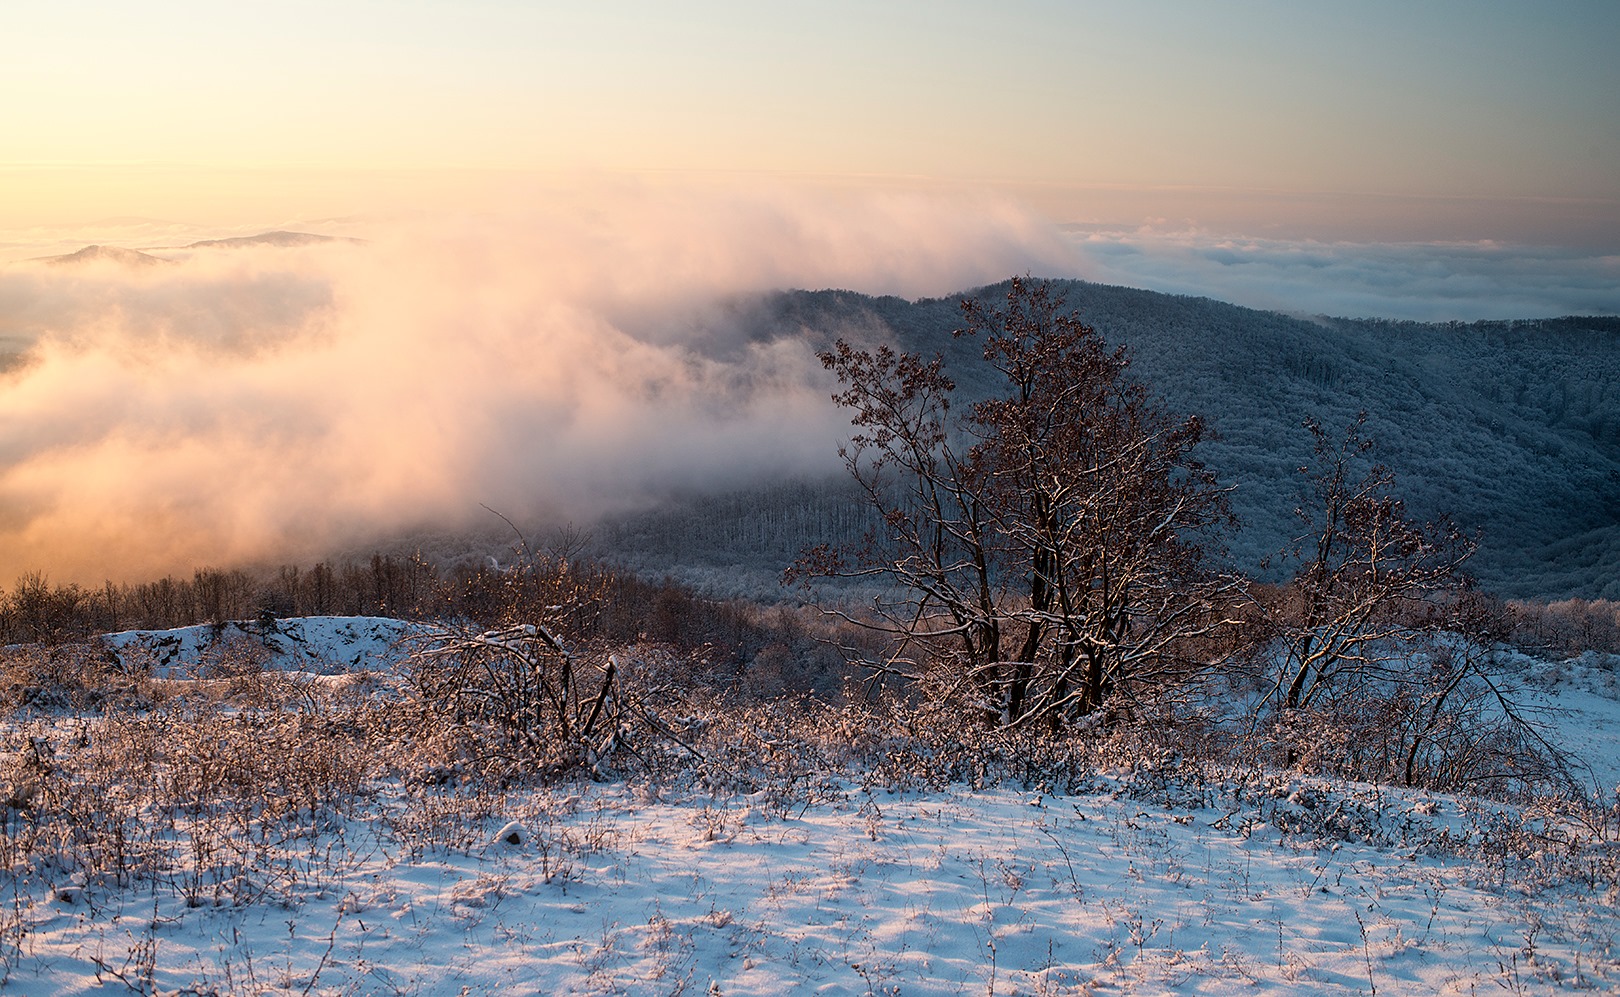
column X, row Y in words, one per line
column 557, row 359
column 1425, row 282
column 553, row 360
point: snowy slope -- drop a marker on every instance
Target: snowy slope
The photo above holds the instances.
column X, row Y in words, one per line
column 1579, row 698
column 321, row 645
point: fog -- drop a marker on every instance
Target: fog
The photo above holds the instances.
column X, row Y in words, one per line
column 556, row 359
column 1420, row 281
column 571, row 353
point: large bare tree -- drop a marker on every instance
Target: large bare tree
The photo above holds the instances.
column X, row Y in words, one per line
column 1044, row 547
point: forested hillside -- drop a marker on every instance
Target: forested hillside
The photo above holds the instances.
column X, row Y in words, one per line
column 1511, row 428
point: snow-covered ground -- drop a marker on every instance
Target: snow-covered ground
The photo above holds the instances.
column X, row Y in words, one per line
column 996, row 891
column 319, row 645
column 1132, row 883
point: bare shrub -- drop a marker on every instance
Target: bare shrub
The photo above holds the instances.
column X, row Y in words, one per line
column 1447, row 719
column 521, row 695
column 76, row 676
column 1381, row 652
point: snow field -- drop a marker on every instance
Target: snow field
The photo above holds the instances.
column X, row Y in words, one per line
column 607, row 889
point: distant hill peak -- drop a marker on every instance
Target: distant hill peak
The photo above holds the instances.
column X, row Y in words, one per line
column 107, row 254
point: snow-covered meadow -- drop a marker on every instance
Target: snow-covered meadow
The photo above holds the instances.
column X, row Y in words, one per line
column 322, row 846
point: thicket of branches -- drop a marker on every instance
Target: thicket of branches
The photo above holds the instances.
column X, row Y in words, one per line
column 1567, row 627
column 754, row 649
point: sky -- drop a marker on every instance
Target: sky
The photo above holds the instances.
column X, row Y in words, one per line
column 1436, row 121
column 561, row 203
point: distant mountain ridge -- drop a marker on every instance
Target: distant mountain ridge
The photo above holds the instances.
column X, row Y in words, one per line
column 136, row 257
column 1511, row 428
column 277, row 238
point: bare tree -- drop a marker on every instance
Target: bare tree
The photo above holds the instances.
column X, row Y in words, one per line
column 1046, row 546
column 1388, row 658
column 1367, row 572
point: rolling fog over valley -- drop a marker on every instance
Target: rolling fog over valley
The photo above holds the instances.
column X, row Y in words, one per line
column 261, row 403
column 285, row 397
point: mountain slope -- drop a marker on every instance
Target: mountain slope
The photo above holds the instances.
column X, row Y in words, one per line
column 1510, row 428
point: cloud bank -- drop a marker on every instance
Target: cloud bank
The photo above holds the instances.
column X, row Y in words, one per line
column 575, row 353
column 1425, row 282
column 555, row 359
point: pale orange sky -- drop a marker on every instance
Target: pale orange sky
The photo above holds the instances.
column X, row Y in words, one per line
column 1376, row 120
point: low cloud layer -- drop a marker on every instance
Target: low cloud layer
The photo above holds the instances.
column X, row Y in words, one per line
column 574, row 355
column 272, row 404
column 1426, row 282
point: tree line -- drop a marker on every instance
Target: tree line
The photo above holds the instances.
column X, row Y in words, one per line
column 729, row 642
